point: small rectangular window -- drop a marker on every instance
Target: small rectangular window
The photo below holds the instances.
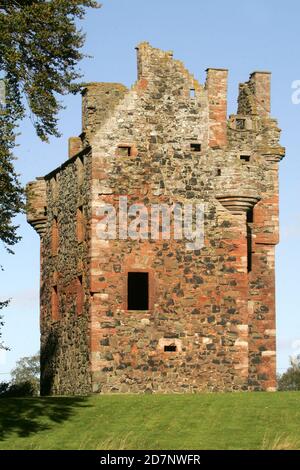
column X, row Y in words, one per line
column 192, row 93
column 138, row 291
column 219, row 172
column 196, row 147
column 240, row 124
column 124, row 150
column 170, row 348
column 245, row 158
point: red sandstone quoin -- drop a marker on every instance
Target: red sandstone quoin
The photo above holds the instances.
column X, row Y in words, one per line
column 149, row 315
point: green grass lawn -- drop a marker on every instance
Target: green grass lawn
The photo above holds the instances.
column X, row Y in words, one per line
column 201, row 421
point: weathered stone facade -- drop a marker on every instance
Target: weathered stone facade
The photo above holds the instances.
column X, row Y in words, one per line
column 210, row 320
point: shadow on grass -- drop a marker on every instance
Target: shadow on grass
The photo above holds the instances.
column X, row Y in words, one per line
column 25, row 416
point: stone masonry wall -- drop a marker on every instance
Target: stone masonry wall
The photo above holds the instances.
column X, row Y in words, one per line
column 65, row 334
column 206, row 300
column 215, row 304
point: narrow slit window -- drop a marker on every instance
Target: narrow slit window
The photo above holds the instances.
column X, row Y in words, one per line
column 219, row 172
column 192, row 93
column 249, row 240
column 80, row 228
column 80, row 296
column 245, row 158
column 54, row 304
column 138, row 291
column 170, row 348
column 124, row 150
column 54, row 236
column 250, row 216
column 196, row 147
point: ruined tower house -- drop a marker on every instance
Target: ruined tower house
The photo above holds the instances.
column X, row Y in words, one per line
column 124, row 315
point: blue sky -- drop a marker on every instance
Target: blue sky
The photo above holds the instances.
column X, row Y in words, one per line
column 241, row 36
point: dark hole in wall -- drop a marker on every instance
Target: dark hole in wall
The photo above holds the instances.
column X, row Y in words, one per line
column 138, row 291
column 240, row 124
column 250, row 216
column 196, row 147
column 245, row 158
column 124, row 151
column 170, row 348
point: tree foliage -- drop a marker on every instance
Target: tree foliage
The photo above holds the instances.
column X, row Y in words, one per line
column 27, row 369
column 11, row 193
column 40, row 48
column 25, row 378
column 39, row 53
column 2, row 305
column 23, row 389
column 290, row 380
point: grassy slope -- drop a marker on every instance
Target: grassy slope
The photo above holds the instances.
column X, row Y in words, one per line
column 202, row 421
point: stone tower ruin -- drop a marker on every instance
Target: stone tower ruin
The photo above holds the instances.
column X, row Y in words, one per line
column 147, row 314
